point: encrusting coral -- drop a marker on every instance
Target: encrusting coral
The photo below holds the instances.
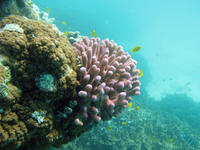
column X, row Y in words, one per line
column 53, row 91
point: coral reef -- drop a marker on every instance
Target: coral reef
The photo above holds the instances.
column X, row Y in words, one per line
column 145, row 130
column 24, row 8
column 108, row 76
column 38, row 78
column 51, row 91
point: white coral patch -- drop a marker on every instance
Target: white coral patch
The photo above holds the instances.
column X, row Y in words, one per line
column 12, row 27
column 39, row 116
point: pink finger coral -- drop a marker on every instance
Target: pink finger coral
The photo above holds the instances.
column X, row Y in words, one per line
column 108, row 78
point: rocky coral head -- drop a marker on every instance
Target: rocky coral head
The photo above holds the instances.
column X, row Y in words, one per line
column 37, row 83
column 108, row 78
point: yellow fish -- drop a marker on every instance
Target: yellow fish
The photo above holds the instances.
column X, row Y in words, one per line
column 124, row 123
column 109, row 128
column 135, row 49
column 94, row 34
column 30, row 2
column 171, row 140
column 153, row 138
column 63, row 22
column 137, row 108
column 47, row 10
column 67, row 33
column 130, row 105
column 141, row 73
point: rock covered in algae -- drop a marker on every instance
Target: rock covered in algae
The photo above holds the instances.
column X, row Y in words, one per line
column 38, row 78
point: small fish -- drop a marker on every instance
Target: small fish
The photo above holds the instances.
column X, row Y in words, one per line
column 135, row 49
column 94, row 34
column 171, row 140
column 124, row 123
column 141, row 73
column 153, row 138
column 69, row 28
column 109, row 128
column 67, row 33
column 30, row 2
column 47, row 10
column 63, row 22
column 130, row 105
column 137, row 108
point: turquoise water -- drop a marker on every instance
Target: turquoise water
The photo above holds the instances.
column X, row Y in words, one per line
column 169, row 34
column 167, row 31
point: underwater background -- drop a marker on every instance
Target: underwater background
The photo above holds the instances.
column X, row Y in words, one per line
column 168, row 116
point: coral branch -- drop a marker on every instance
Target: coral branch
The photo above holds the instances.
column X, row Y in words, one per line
column 108, row 76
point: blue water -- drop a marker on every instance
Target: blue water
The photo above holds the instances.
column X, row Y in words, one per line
column 169, row 34
column 167, row 31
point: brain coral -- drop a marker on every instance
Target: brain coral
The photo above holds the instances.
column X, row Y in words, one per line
column 56, row 91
